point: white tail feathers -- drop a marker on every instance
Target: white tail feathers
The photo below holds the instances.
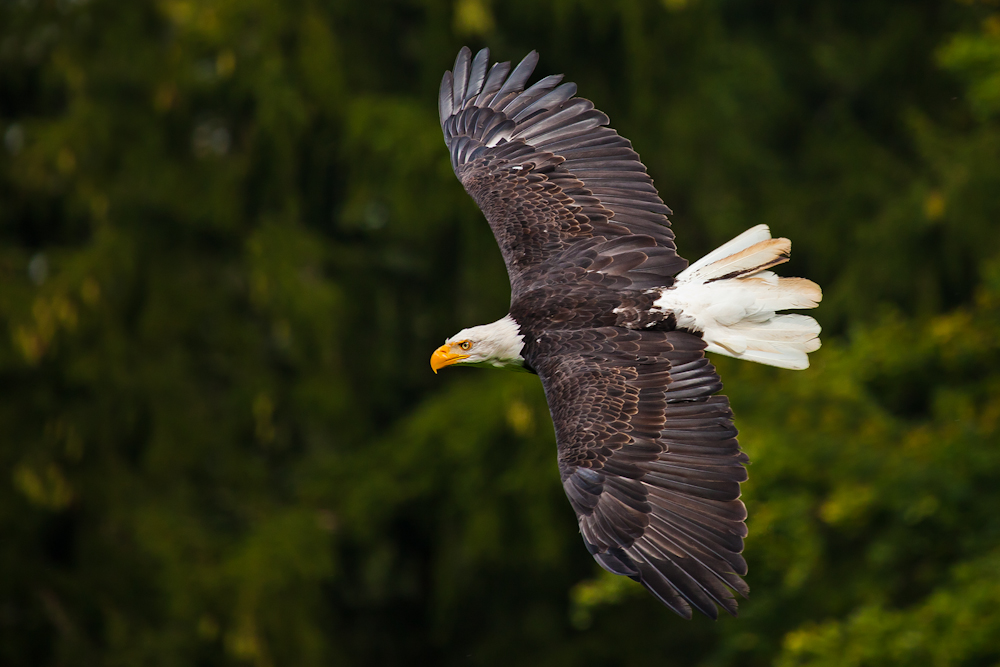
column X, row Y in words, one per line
column 782, row 340
column 752, row 251
column 731, row 298
column 748, row 238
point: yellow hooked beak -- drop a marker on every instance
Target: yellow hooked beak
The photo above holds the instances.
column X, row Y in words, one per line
column 444, row 356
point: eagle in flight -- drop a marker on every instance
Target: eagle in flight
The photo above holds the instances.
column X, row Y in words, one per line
column 616, row 325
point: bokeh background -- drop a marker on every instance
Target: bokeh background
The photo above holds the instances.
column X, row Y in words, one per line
column 230, row 238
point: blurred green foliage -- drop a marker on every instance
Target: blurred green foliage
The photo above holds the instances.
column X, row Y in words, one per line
column 230, row 238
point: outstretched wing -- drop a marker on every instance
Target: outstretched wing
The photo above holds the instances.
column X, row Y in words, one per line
column 649, row 460
column 547, row 173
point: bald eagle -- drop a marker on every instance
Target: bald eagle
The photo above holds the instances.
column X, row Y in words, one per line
column 616, row 325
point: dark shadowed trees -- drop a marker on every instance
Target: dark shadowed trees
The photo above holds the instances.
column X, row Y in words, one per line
column 230, row 238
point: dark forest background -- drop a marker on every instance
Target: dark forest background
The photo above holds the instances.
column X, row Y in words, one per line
column 230, row 239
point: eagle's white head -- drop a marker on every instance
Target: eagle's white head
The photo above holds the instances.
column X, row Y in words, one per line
column 497, row 345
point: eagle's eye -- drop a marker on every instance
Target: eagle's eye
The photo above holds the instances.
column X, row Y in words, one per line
column 465, row 345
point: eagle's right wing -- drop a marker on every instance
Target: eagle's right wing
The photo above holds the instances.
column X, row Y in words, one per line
column 649, row 460
column 547, row 174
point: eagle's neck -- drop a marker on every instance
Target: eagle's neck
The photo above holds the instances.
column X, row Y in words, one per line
column 505, row 343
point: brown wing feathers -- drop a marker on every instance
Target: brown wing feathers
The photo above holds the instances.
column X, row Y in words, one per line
column 649, row 460
column 594, row 183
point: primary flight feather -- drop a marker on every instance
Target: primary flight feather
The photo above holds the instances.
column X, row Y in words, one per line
column 616, row 325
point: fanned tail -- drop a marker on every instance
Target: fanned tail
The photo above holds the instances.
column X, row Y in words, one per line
column 734, row 301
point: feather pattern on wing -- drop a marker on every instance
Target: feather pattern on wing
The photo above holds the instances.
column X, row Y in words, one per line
column 649, row 460
column 547, row 172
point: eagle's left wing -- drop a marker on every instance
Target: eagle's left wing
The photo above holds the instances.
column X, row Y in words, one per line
column 649, row 460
